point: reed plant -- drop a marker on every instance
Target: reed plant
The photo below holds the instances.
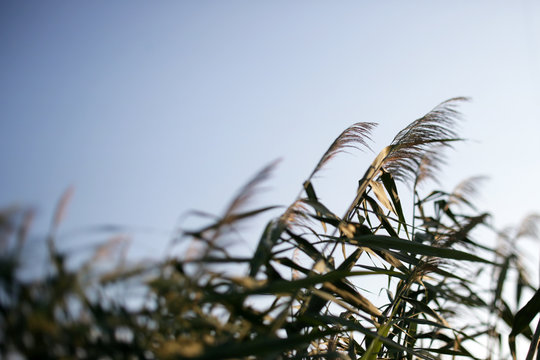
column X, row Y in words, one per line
column 376, row 282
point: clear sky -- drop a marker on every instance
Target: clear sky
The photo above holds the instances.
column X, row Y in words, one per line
column 150, row 109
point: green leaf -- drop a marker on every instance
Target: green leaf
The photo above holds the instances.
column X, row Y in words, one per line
column 391, row 188
column 522, row 319
column 305, row 246
column 424, row 308
column 289, row 263
column 286, row 286
column 381, row 216
column 535, row 344
column 525, row 315
column 269, row 238
column 352, row 297
column 502, row 279
column 384, row 242
column 351, row 260
column 229, row 219
column 310, row 191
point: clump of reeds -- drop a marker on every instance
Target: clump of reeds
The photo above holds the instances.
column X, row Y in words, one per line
column 400, row 288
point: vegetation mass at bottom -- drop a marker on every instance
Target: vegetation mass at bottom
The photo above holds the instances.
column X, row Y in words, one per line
column 377, row 282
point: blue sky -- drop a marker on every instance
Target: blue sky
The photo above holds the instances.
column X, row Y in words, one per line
column 150, row 109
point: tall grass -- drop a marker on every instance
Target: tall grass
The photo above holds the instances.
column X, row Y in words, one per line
column 372, row 283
